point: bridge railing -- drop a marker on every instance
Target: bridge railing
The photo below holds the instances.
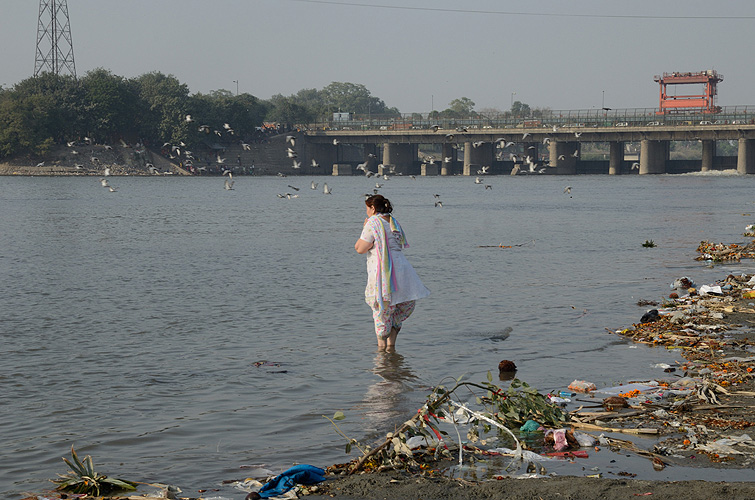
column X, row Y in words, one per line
column 630, row 117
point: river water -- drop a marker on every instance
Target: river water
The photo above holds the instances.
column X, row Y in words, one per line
column 134, row 323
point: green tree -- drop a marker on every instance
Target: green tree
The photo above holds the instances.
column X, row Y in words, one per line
column 39, row 112
column 162, row 113
column 110, row 101
column 462, row 107
column 352, row 98
column 518, row 108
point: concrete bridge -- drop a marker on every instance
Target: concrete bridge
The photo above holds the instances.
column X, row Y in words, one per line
column 468, row 145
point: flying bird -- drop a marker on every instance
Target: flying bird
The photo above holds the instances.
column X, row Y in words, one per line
column 439, row 204
column 296, row 165
column 314, row 163
column 228, row 184
column 189, row 119
column 567, row 189
column 326, row 189
column 313, row 185
column 291, row 140
column 525, row 135
column 488, row 186
column 577, row 134
column 435, row 127
column 104, row 182
column 41, row 164
column 635, row 166
column 293, row 187
column 246, row 146
column 335, row 142
column 575, row 153
column 477, row 180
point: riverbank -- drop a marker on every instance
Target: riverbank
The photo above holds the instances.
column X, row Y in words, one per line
column 706, row 428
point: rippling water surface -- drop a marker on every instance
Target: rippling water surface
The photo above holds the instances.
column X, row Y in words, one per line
column 131, row 321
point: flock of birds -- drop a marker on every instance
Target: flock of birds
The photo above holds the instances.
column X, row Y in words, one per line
column 384, row 172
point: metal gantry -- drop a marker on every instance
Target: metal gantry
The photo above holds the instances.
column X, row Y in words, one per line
column 54, row 43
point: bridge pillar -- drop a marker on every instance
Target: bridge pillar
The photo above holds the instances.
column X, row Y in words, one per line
column 477, row 157
column 561, row 157
column 653, row 157
column 616, row 158
column 745, row 157
column 709, row 151
column 448, row 167
column 326, row 155
column 400, row 156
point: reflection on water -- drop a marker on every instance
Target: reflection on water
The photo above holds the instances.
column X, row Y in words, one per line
column 386, row 400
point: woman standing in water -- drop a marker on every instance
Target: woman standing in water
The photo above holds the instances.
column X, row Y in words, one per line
column 392, row 284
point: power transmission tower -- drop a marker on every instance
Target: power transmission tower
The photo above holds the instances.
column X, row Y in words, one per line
column 54, row 43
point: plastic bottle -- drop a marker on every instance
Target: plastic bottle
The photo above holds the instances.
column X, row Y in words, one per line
column 565, row 394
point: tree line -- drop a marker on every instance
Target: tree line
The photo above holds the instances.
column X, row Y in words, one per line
column 47, row 110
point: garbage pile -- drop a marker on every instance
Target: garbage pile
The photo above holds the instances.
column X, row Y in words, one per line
column 707, row 401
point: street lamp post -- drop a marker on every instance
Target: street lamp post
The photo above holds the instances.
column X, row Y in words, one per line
column 237, row 86
column 512, row 99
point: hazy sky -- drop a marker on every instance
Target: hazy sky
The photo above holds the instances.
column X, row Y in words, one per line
column 413, row 54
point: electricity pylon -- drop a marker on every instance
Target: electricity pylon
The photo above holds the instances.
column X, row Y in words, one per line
column 54, row 43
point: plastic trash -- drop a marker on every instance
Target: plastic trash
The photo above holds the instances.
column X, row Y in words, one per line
column 564, row 394
column 526, row 454
column 709, row 289
column 422, row 441
column 530, row 426
column 724, row 446
column 682, row 283
column 585, row 440
column 623, row 389
column 582, row 386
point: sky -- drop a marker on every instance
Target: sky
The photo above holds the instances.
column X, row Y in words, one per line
column 416, row 55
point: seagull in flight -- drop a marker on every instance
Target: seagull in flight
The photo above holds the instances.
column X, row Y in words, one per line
column 246, row 146
column 314, row 163
column 293, row 187
column 488, row 186
column 575, row 153
column 326, row 189
column 104, row 182
column 228, row 184
column 335, row 142
column 291, row 140
column 577, row 134
column 189, row 119
column 635, row 166
column 313, row 185
column 567, row 189
column 296, row 165
column 525, row 135
column 477, row 180
column 439, row 204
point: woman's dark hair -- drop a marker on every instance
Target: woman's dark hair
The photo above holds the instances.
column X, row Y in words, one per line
column 379, row 203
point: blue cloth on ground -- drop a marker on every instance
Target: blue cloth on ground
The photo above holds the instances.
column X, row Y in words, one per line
column 298, row 474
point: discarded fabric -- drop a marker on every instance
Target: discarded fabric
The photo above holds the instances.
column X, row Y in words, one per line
column 298, row 474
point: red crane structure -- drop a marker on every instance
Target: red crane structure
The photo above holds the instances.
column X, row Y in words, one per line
column 703, row 103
